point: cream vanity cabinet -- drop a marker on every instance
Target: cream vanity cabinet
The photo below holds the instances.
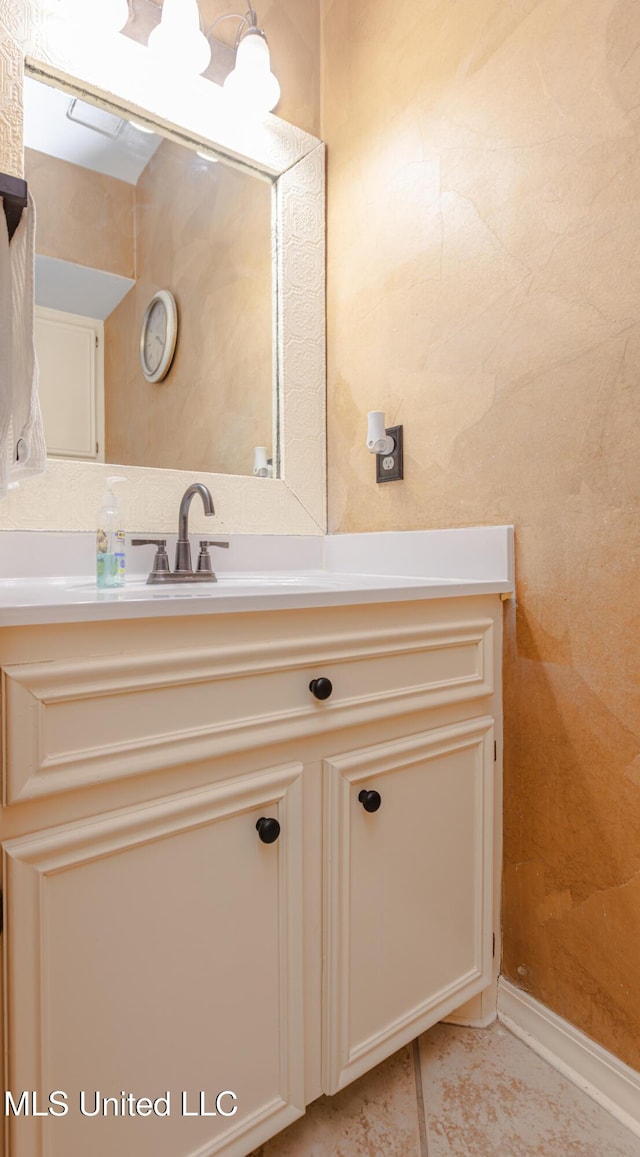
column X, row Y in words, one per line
column 217, row 883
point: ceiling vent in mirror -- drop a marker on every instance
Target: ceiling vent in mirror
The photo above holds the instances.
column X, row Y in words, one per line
column 98, row 119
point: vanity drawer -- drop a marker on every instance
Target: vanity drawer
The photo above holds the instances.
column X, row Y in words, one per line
column 73, row 723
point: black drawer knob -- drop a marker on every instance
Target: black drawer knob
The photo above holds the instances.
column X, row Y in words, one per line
column 268, row 829
column 370, row 800
column 321, row 688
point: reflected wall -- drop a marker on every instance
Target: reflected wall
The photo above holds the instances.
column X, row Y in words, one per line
column 208, row 239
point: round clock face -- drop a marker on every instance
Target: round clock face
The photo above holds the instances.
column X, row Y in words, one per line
column 158, row 336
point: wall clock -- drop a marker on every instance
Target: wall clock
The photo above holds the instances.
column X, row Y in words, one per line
column 158, row 336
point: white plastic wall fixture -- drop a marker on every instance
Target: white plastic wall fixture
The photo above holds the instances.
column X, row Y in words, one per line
column 378, row 441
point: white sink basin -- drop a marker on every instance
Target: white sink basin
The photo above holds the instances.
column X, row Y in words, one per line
column 226, row 582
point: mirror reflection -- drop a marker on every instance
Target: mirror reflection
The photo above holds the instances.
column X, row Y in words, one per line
column 127, row 223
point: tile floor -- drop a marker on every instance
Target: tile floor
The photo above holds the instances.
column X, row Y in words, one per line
column 459, row 1093
column 486, row 1094
column 376, row 1116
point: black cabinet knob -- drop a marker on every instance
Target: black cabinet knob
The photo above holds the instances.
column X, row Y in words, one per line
column 370, row 800
column 321, row 688
column 268, row 829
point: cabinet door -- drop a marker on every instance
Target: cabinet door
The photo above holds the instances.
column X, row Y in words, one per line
column 157, row 951
column 408, row 891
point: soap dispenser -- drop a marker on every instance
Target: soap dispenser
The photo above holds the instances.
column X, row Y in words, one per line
column 110, row 561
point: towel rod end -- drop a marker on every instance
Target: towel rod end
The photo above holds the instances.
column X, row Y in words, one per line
column 13, row 191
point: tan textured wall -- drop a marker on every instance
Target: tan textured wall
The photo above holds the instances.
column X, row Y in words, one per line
column 484, row 288
column 204, row 232
column 82, row 216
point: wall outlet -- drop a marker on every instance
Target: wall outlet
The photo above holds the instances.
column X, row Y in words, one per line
column 390, row 467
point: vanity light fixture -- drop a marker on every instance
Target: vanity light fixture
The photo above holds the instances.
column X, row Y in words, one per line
column 178, row 40
column 386, row 444
column 250, row 85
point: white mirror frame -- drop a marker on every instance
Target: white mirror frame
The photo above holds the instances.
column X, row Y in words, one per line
column 118, row 71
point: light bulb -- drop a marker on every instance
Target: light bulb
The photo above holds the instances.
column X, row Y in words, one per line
column 103, row 16
column 252, row 84
column 177, row 41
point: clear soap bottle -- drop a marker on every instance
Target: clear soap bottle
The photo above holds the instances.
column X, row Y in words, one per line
column 110, row 560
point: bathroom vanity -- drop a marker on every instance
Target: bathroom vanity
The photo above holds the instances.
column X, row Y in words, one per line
column 249, row 846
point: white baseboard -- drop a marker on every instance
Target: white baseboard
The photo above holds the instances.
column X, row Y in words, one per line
column 597, row 1072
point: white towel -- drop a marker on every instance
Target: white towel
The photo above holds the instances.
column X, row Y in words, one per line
column 23, row 451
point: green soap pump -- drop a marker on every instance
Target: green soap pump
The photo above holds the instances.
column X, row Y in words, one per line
column 110, row 539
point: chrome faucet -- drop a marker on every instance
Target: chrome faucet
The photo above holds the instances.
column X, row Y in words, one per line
column 184, row 572
column 183, row 549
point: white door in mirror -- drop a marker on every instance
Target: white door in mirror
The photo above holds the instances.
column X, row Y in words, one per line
column 158, row 336
column 70, row 351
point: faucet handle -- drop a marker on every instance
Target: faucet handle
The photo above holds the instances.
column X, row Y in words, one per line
column 204, row 558
column 161, row 558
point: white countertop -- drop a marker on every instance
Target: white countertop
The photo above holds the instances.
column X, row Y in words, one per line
column 69, row 600
column 482, row 558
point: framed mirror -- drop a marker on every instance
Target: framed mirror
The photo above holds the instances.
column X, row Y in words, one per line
column 119, row 78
